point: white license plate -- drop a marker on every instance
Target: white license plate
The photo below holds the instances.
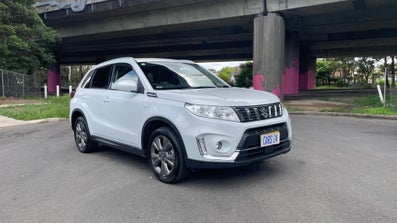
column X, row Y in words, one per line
column 271, row 138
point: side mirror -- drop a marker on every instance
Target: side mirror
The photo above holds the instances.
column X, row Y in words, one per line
column 128, row 85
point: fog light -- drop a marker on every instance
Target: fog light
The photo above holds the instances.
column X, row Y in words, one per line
column 219, row 145
column 201, row 146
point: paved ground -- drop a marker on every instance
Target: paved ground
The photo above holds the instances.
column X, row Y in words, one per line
column 339, row 170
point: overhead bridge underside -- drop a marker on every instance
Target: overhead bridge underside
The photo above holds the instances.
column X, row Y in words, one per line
column 218, row 30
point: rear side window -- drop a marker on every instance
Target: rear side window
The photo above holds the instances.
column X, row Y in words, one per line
column 101, row 78
column 120, row 70
column 86, row 81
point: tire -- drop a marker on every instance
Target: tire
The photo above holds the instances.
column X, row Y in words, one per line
column 82, row 136
column 165, row 155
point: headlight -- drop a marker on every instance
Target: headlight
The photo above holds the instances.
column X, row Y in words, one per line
column 216, row 112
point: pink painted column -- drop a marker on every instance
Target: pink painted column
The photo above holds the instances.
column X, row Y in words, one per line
column 307, row 71
column 268, row 65
column 291, row 68
column 53, row 79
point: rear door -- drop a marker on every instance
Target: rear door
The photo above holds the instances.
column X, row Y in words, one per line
column 94, row 95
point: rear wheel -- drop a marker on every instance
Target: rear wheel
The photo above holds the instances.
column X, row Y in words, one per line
column 82, row 136
column 165, row 156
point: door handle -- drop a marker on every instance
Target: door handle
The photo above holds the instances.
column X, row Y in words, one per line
column 106, row 100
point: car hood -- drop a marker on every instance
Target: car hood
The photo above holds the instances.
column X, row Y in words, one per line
column 219, row 96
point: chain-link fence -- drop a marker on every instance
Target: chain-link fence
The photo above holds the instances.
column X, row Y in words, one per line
column 19, row 85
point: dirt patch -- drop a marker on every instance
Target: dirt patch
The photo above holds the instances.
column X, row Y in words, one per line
column 14, row 101
column 315, row 105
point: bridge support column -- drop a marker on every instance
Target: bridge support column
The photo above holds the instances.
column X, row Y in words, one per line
column 290, row 78
column 307, row 71
column 268, row 69
column 53, row 78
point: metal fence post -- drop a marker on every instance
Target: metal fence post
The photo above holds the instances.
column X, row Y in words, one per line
column 2, row 82
column 23, row 85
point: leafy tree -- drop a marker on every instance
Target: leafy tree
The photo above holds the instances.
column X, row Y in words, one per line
column 226, row 73
column 366, row 68
column 346, row 66
column 324, row 70
column 244, row 79
column 26, row 43
column 391, row 69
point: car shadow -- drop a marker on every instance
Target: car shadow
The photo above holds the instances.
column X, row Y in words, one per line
column 262, row 170
column 236, row 176
column 123, row 157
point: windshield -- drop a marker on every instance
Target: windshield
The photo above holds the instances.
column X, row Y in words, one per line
column 177, row 75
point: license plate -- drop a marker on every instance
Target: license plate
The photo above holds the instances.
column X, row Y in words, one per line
column 271, row 138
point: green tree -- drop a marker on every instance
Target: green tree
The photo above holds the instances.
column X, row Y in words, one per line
column 366, row 68
column 244, row 79
column 226, row 73
column 26, row 44
column 325, row 68
column 347, row 66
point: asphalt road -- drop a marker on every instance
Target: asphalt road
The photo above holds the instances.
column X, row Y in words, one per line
column 339, row 170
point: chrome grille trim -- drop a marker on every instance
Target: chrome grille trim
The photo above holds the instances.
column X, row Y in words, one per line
column 259, row 112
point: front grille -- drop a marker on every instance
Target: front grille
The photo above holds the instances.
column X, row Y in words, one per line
column 259, row 112
column 261, row 152
column 251, row 137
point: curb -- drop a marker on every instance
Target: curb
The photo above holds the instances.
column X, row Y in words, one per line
column 9, row 122
column 47, row 120
column 354, row 115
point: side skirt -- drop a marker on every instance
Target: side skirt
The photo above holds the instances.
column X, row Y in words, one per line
column 119, row 146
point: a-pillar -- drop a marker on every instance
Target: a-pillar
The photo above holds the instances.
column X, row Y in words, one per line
column 307, row 70
column 268, row 69
column 290, row 78
column 53, row 78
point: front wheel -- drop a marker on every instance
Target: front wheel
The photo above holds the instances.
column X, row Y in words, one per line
column 82, row 136
column 165, row 156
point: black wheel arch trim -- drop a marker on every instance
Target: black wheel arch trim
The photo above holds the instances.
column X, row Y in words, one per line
column 168, row 123
column 71, row 116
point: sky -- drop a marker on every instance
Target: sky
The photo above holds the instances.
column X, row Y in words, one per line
column 219, row 65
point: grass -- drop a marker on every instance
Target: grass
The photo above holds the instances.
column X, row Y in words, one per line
column 51, row 107
column 369, row 104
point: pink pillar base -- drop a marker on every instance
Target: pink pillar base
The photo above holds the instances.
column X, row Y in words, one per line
column 291, row 78
column 53, row 79
column 307, row 81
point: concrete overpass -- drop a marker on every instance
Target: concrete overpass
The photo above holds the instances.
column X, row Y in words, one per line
column 282, row 37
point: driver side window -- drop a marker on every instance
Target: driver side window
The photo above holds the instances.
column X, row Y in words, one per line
column 124, row 78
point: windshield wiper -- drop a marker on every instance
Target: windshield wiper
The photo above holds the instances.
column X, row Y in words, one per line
column 202, row 87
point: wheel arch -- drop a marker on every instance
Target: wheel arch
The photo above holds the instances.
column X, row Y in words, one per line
column 155, row 123
column 75, row 114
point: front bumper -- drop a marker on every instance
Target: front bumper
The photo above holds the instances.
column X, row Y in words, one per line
column 263, row 153
column 249, row 150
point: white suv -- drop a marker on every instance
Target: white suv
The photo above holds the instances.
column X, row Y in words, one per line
column 178, row 115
